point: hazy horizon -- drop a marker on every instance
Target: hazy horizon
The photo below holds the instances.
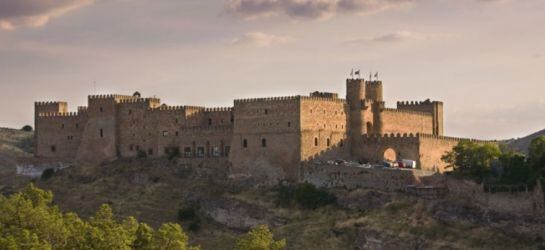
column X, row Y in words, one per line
column 483, row 58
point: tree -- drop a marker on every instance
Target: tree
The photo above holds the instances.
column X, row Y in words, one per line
column 170, row 236
column 259, row 238
column 27, row 128
column 471, row 159
column 536, row 154
column 29, row 220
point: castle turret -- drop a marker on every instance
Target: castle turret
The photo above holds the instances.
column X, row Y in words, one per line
column 373, row 91
column 432, row 107
column 355, row 97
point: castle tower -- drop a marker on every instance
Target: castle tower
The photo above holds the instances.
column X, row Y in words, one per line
column 45, row 108
column 355, row 97
column 373, row 91
column 433, row 107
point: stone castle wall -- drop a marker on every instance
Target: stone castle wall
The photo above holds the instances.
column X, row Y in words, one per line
column 406, row 121
column 267, row 137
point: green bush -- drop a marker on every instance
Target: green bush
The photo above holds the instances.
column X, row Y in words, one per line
column 305, row 195
column 187, row 213
column 48, row 173
column 27, row 128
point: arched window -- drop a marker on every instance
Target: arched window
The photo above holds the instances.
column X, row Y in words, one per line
column 244, row 143
column 264, row 143
column 316, row 141
column 328, row 142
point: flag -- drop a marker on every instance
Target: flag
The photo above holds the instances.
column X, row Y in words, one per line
column 352, row 72
column 376, row 75
column 357, row 73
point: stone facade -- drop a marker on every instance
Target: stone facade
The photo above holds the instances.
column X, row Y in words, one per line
column 262, row 137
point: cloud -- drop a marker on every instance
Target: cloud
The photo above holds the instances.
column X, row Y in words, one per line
column 307, row 9
column 400, row 36
column 34, row 13
column 260, row 39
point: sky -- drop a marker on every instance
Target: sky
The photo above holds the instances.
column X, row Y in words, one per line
column 485, row 59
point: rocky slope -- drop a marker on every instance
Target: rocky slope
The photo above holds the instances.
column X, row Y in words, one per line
column 155, row 190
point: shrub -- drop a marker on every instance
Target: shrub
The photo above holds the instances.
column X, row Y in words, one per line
column 187, row 213
column 305, row 195
column 27, row 128
column 48, row 173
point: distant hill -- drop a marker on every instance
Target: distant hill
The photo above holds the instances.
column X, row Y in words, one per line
column 521, row 144
column 14, row 144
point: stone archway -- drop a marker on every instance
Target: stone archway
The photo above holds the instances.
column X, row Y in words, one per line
column 389, row 155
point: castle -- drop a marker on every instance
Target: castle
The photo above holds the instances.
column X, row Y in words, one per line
column 266, row 137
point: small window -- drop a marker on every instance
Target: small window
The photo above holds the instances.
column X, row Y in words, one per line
column 232, row 118
column 77, row 125
column 131, row 147
column 266, row 111
column 130, row 111
column 177, row 133
column 101, row 109
column 289, row 124
column 328, row 142
column 187, row 152
column 215, row 151
column 263, row 143
column 244, row 143
column 62, row 125
column 227, row 150
column 101, row 133
column 177, row 120
column 209, row 121
column 341, row 143
column 137, row 148
column 200, row 152
column 150, row 151
column 53, row 148
column 316, row 141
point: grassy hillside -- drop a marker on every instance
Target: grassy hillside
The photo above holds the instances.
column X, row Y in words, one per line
column 155, row 190
column 13, row 144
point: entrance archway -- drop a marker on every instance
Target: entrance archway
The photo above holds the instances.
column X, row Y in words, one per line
column 390, row 155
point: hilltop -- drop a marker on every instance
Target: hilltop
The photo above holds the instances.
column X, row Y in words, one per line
column 215, row 209
column 521, row 144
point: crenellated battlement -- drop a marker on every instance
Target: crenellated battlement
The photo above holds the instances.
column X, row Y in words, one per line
column 455, row 139
column 83, row 109
column 420, row 135
column 406, row 111
column 373, row 83
column 109, row 96
column 138, row 100
column 323, row 99
column 416, row 103
column 58, row 114
column 268, row 99
column 218, row 109
column 39, row 104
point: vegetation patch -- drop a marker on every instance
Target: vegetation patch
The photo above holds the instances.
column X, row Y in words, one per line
column 305, row 195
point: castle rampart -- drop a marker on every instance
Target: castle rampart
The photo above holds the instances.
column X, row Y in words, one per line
column 266, row 137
